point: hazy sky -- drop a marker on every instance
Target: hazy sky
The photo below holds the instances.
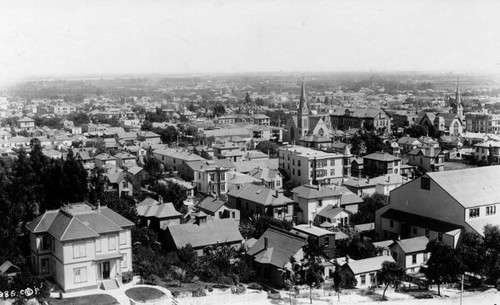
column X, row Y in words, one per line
column 52, row 37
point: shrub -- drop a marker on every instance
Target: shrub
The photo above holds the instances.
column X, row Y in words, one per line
column 235, row 278
column 152, row 280
column 255, row 286
column 238, row 289
column 225, row 280
column 199, row 292
column 210, row 289
column 127, row 277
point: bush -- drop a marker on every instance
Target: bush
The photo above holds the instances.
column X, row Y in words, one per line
column 152, row 280
column 127, row 277
column 199, row 292
column 255, row 286
column 225, row 280
column 238, row 289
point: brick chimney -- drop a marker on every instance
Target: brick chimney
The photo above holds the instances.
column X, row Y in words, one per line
column 265, row 243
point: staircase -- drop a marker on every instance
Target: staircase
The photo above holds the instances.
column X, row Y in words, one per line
column 110, row 284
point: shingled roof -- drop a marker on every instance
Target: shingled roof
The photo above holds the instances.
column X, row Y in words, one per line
column 78, row 221
column 260, row 195
column 206, row 234
column 281, row 244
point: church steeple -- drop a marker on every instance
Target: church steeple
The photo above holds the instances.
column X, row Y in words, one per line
column 303, row 101
column 459, row 109
column 303, row 113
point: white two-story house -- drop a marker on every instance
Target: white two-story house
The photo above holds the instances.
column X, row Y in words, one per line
column 81, row 247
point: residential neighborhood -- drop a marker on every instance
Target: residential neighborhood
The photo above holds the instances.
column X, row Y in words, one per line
column 225, row 152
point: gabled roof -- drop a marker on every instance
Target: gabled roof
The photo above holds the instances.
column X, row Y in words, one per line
column 311, row 230
column 7, row 268
column 368, row 264
column 115, row 177
column 260, row 195
column 472, row 186
column 281, row 244
column 412, row 245
column 104, row 157
column 313, row 191
column 154, row 209
column 206, row 234
column 263, row 173
column 199, row 165
column 382, row 156
column 134, row 170
column 211, row 204
column 330, row 211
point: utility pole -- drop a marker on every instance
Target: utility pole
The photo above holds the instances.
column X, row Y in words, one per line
column 461, row 289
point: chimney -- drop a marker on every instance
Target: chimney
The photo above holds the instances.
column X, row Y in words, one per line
column 310, row 223
column 160, row 199
column 98, row 205
column 277, row 193
column 399, row 237
column 265, row 243
column 347, row 259
column 367, row 180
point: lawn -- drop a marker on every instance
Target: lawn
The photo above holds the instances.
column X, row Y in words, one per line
column 96, row 299
column 143, row 294
column 173, row 286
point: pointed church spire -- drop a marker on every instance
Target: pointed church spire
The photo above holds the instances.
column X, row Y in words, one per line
column 459, row 109
column 303, row 100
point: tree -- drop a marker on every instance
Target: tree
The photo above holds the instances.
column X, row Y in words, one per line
column 219, row 110
column 416, row 131
column 313, row 271
column 288, row 186
column 153, row 167
column 124, row 205
column 186, row 257
column 147, row 125
column 444, row 264
column 391, row 273
column 366, row 212
column 292, row 277
column 268, row 147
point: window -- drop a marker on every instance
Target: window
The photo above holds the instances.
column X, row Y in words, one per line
column 98, row 245
column 332, row 162
column 474, row 212
column 80, row 275
column 426, row 257
column 490, row 210
column 233, row 214
column 372, row 278
column 124, row 260
column 298, row 162
column 112, row 243
column 414, row 230
column 425, row 183
column 46, row 241
column 320, row 203
column 440, row 236
column 123, row 238
column 45, row 265
column 391, row 223
column 414, row 259
column 212, row 177
column 363, row 279
column 427, row 233
column 220, row 214
column 332, row 172
column 280, row 211
column 298, row 172
column 293, row 162
column 79, row 250
column 293, row 171
column 327, row 242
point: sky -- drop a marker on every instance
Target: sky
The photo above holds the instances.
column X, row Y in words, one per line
column 67, row 37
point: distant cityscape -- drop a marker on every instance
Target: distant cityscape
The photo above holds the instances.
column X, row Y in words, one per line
column 286, row 186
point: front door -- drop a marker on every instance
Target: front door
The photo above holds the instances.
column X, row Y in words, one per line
column 105, row 270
